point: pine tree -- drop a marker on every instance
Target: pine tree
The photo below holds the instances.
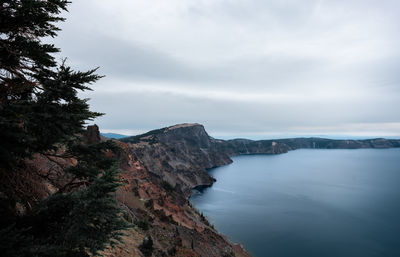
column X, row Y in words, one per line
column 41, row 113
column 39, row 106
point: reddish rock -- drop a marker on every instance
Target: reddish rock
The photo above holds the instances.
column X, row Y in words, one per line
column 92, row 134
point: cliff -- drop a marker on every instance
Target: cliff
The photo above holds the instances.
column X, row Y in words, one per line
column 245, row 146
column 164, row 165
column 188, row 147
column 179, row 155
column 160, row 169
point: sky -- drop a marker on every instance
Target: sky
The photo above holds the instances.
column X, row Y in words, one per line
column 243, row 68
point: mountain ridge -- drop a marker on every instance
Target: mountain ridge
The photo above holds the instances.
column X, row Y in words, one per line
column 187, row 150
column 163, row 166
column 269, row 146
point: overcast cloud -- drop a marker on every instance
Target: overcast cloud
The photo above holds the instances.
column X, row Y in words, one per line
column 255, row 68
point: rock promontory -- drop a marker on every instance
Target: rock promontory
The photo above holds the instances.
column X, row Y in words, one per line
column 162, row 167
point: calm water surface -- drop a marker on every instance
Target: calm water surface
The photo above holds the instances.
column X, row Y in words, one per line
column 306, row 203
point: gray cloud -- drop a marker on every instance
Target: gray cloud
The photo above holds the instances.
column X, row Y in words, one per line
column 241, row 67
column 121, row 59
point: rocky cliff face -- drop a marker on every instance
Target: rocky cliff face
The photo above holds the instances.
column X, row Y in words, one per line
column 322, row 143
column 245, row 146
column 164, row 166
column 179, row 155
column 160, row 169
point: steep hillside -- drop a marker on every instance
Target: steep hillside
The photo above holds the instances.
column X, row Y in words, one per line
column 163, row 166
column 160, row 169
column 179, row 155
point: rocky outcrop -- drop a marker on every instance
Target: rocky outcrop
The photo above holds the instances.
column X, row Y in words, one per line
column 158, row 172
column 179, row 155
column 92, row 134
column 160, row 168
column 164, row 165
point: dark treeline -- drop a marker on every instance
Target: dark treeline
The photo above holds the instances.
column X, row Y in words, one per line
column 42, row 122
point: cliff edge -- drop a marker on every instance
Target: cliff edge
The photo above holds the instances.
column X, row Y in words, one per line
column 161, row 168
column 159, row 171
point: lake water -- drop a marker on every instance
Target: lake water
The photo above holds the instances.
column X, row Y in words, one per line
column 309, row 203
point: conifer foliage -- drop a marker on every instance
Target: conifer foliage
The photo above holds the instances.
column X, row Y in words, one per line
column 39, row 103
column 41, row 114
